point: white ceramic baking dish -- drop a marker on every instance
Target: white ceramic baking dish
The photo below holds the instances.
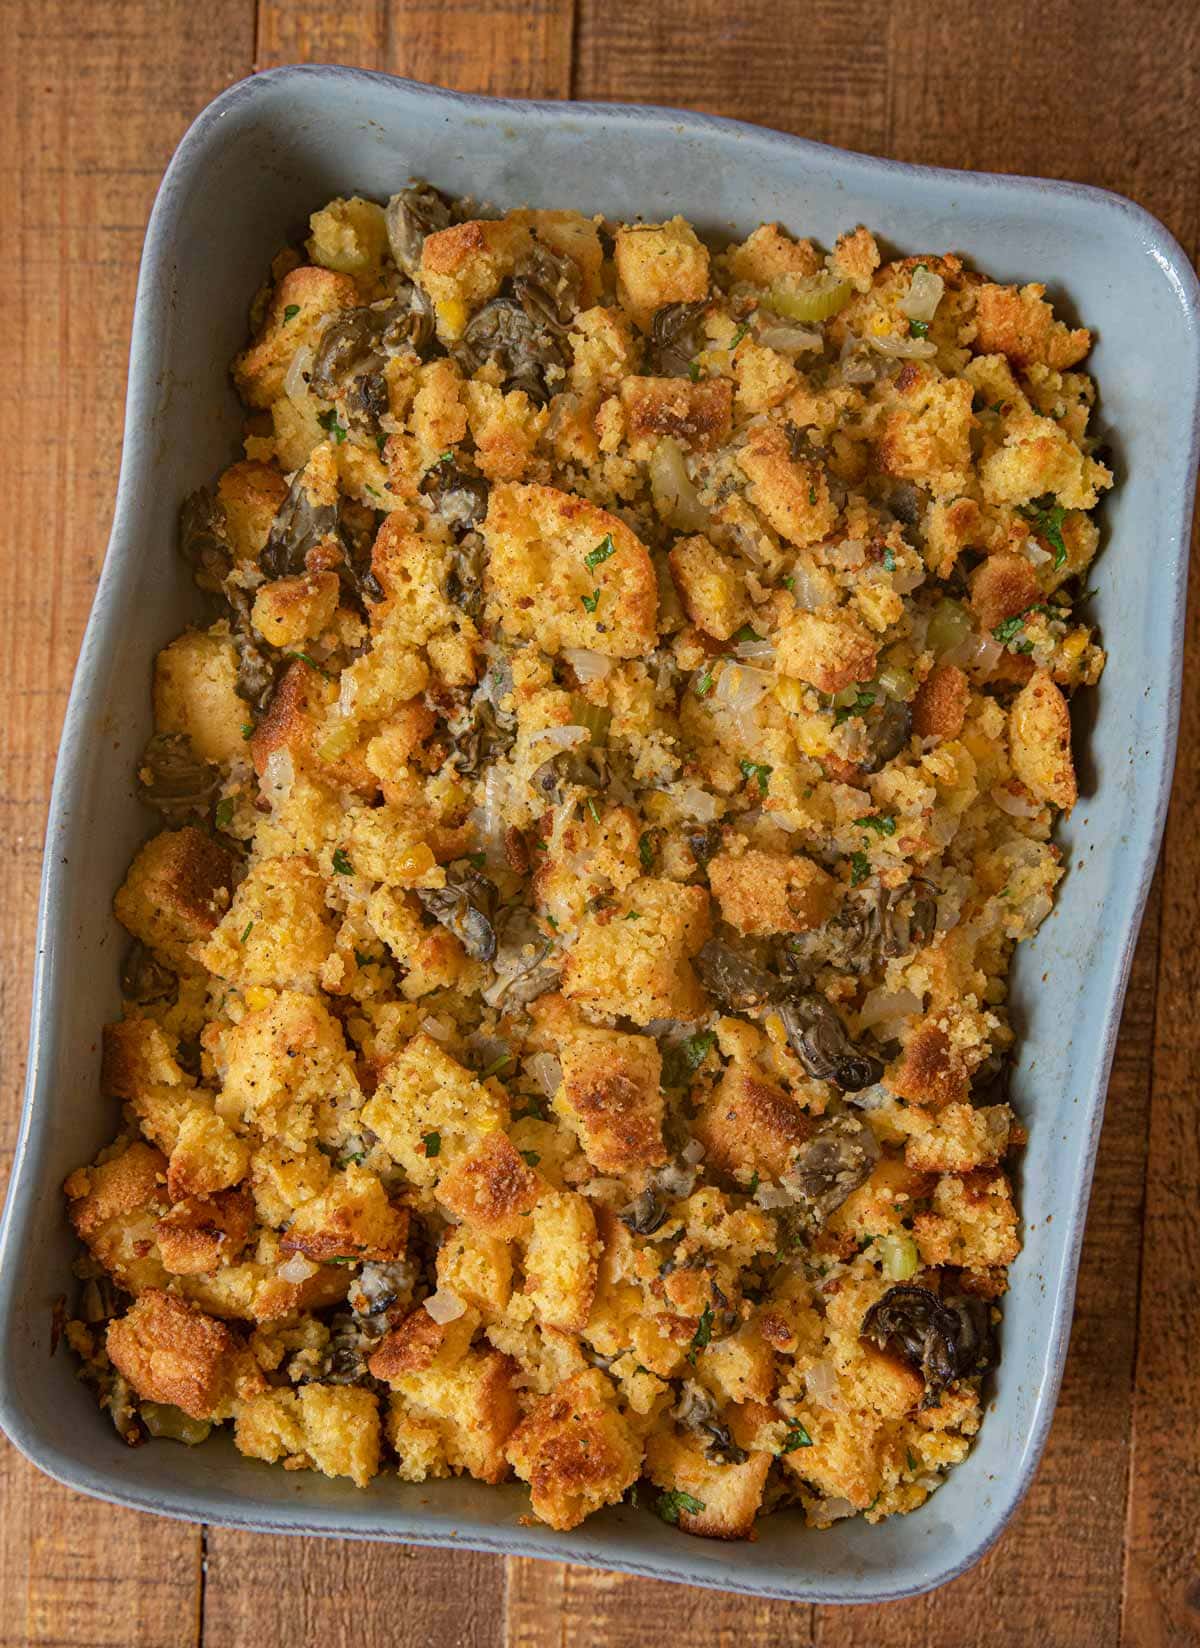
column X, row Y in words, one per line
column 241, row 183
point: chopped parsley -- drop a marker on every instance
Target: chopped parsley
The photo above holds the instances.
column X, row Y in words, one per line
column 859, row 707
column 593, row 809
column 647, row 849
column 381, row 441
column 341, row 864
column 362, row 959
column 224, row 813
column 859, row 869
column 591, row 602
column 737, row 337
column 881, row 823
column 789, row 583
column 292, row 310
column 703, row 1333
column 889, row 558
column 756, row 769
column 445, row 457
column 694, row 371
column 477, row 859
column 532, row 1157
column 918, row 328
column 633, row 915
column 304, row 658
column 329, row 422
column 1046, row 517
column 601, row 553
column 812, row 494
column 246, row 931
column 705, row 684
column 1010, row 628
column 669, row 1504
column 247, row 730
column 496, row 1068
column 797, row 1437
column 552, row 922
column 432, row 1143
column 683, row 1060
column 374, row 491
column 747, row 633
column 754, row 1182
column 910, row 1459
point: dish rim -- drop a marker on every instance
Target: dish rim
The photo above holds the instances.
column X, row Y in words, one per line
column 150, row 324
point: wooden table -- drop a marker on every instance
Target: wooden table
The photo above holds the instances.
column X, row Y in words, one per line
column 94, row 95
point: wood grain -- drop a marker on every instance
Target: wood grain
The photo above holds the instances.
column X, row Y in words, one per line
column 1104, row 1551
column 95, row 98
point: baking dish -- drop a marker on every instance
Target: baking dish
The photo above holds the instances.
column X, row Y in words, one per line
column 243, row 181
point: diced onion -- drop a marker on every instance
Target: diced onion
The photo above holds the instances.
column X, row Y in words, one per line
column 756, row 651
column 675, row 496
column 923, row 296
column 562, row 737
column 981, row 652
column 856, row 363
column 295, row 385
column 790, row 340
column 698, row 803
column 546, row 1071
column 297, row 1269
column 772, row 1197
column 1016, row 806
column 882, row 1006
column 739, row 687
column 278, row 775
column 437, row 1028
column 834, row 1510
column 821, row 1383
column 693, row 1151
column 904, row 348
column 445, row 1306
column 1034, row 553
column 851, row 553
column 812, row 586
column 1035, row 910
column 588, row 665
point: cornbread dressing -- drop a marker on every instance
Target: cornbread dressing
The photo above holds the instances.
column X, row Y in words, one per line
column 565, row 1030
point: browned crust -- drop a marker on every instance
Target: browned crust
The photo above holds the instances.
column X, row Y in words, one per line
column 763, row 892
column 117, row 1187
column 940, row 707
column 1003, row 586
column 411, row 1347
column 493, row 1189
column 202, row 1232
column 929, row 1072
column 170, row 1352
column 698, row 414
column 750, row 1122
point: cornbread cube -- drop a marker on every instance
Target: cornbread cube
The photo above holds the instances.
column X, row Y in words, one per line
column 829, row 651
column 429, row 1111
column 575, row 1450
column 940, row 706
column 334, row 1429
column 855, row 257
column 202, row 1232
column 844, row 1461
column 439, row 415
column 277, row 931
column 1038, row 456
column 115, row 1206
column 505, row 429
column 560, row 1260
column 792, row 493
column 349, row 236
column 926, row 435
column 763, row 892
column 1001, row 587
column 351, row 1218
column 603, row 350
column 251, row 494
column 657, row 264
column 387, row 844
column 566, row 573
column 610, row 1095
column 642, row 968
column 1019, row 324
column 417, row 1443
column 887, row 1385
column 170, row 1352
column 138, row 1067
column 770, row 252
column 936, row 1065
column 958, row 1138
column 195, row 693
column 288, row 1073
column 294, row 722
column 207, row 1155
column 478, row 1268
column 1039, row 742
column 973, row 1223
column 698, row 415
column 314, row 293
column 463, row 266
column 729, row 1496
column 253, row 1290
column 175, row 893
column 468, row 1395
column 492, row 1189
column 419, row 1343
column 750, row 1122
column 710, row 587
column 282, row 1179
column 412, row 574
column 289, row 610
column 740, row 1367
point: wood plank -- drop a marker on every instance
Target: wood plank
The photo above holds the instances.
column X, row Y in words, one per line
column 508, row 48
column 274, row 1590
column 94, row 97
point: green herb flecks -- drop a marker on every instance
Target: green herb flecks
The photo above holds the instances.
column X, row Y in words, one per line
column 292, row 310
column 605, row 548
column 859, row 869
column 532, row 1157
column 341, row 863
column 1046, row 517
column 683, row 1060
column 881, row 823
column 224, row 812
column 918, row 328
column 859, row 707
column 669, row 1504
column 703, row 1333
column 432, row 1143
column 756, row 769
column 329, row 422
column 737, row 337
column 797, row 1437
column 591, row 602
column 304, row 658
column 246, row 931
